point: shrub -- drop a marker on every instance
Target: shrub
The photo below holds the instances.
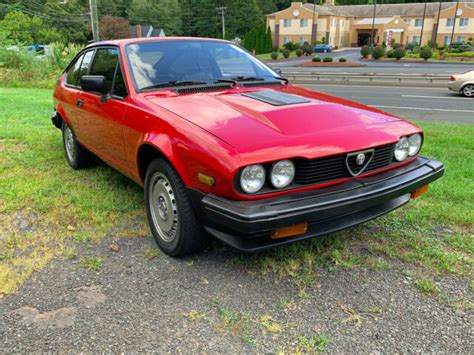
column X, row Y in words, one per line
column 391, row 53
column 410, row 46
column 432, row 44
column 307, row 49
column 286, row 53
column 426, row 53
column 296, row 46
column 378, row 52
column 274, row 55
column 365, row 51
column 399, row 53
column 396, row 45
column 316, row 59
column 327, row 59
column 299, row 52
column 275, row 49
column 289, row 45
column 342, row 60
column 442, row 48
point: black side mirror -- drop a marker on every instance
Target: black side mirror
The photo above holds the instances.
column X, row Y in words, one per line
column 93, row 83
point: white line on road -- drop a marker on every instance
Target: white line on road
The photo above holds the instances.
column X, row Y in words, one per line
column 421, row 108
column 438, row 97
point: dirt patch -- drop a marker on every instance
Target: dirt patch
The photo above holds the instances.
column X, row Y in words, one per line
column 90, row 296
column 60, row 318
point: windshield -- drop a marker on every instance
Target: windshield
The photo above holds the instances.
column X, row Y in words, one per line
column 164, row 63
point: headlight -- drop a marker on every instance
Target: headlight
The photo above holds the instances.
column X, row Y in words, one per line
column 401, row 149
column 252, row 178
column 282, row 174
column 415, row 144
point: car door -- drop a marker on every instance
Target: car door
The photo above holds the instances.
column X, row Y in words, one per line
column 71, row 92
column 101, row 120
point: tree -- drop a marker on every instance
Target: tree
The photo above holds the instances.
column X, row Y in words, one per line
column 258, row 40
column 164, row 14
column 114, row 27
column 242, row 16
column 21, row 27
column 267, row 6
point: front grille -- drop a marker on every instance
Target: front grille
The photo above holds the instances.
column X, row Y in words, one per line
column 322, row 170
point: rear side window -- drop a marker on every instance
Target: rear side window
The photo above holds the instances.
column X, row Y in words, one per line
column 72, row 77
column 105, row 63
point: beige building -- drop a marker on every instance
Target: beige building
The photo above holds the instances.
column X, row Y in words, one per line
column 351, row 25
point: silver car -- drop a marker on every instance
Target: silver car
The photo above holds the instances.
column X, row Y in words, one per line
column 463, row 83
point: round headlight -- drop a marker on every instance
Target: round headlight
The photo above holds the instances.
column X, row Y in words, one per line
column 401, row 149
column 415, row 144
column 252, row 178
column 283, row 173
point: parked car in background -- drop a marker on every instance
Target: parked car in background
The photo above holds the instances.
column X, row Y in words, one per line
column 322, row 48
column 462, row 83
column 226, row 147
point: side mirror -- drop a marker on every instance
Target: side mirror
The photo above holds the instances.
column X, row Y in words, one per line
column 93, row 83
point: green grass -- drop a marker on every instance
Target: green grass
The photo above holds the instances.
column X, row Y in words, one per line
column 92, row 262
column 427, row 286
column 68, row 208
column 267, row 56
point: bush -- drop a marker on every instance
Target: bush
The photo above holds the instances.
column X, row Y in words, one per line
column 289, row 45
column 342, row 60
column 286, row 53
column 426, row 53
column 399, row 53
column 327, row 59
column 396, row 45
column 274, row 55
column 378, row 52
column 411, row 46
column 390, row 53
column 432, row 44
column 316, row 59
column 299, row 52
column 365, row 51
column 307, row 49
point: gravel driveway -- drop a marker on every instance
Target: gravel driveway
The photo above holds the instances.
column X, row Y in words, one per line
column 212, row 303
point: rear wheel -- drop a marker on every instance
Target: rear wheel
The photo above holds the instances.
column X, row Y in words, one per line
column 468, row 90
column 76, row 155
column 169, row 211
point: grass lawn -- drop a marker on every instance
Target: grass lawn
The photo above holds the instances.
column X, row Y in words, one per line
column 47, row 209
column 267, row 56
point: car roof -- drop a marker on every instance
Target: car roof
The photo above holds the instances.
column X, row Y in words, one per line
column 125, row 41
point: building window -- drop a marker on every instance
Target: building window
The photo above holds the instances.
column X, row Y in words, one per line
column 286, row 40
column 343, row 23
column 418, row 22
column 416, row 39
column 333, row 22
column 304, row 22
column 407, row 21
column 287, row 23
column 302, row 40
column 449, row 22
column 461, row 39
column 447, row 40
column 463, row 22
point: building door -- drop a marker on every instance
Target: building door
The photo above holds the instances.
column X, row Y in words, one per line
column 363, row 38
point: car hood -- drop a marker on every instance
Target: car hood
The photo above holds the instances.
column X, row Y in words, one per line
column 323, row 125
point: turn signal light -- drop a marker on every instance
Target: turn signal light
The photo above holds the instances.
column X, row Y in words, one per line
column 418, row 192
column 289, row 231
column 452, row 78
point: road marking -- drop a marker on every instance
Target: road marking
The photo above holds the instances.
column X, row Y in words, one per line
column 397, row 88
column 421, row 108
column 438, row 97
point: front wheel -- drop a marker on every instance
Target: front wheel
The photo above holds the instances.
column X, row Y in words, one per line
column 76, row 155
column 468, row 90
column 169, row 211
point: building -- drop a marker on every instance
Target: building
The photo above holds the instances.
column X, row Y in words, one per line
column 137, row 31
column 351, row 25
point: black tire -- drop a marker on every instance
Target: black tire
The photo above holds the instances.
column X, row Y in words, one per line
column 76, row 155
column 165, row 196
column 468, row 90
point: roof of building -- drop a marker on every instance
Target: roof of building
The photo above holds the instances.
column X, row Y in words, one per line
column 381, row 10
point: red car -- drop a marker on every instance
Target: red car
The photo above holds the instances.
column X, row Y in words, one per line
column 224, row 146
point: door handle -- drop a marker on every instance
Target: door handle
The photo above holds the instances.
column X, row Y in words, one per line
column 79, row 103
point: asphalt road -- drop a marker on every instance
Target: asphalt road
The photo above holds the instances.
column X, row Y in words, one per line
column 429, row 104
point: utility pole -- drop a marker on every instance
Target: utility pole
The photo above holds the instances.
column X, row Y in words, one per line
column 437, row 24
column 313, row 25
column 422, row 24
column 94, row 20
column 222, row 11
column 454, row 24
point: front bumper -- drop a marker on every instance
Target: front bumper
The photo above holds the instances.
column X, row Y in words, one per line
column 247, row 225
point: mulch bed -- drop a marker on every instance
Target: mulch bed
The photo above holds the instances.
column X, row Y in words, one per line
column 331, row 64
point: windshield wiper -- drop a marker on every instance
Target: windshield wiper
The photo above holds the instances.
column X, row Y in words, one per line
column 173, row 83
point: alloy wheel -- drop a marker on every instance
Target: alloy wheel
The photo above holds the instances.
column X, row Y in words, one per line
column 69, row 143
column 468, row 90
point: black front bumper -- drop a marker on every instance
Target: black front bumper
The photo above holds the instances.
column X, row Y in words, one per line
column 247, row 225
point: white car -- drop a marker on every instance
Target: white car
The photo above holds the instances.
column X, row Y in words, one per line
column 463, row 83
